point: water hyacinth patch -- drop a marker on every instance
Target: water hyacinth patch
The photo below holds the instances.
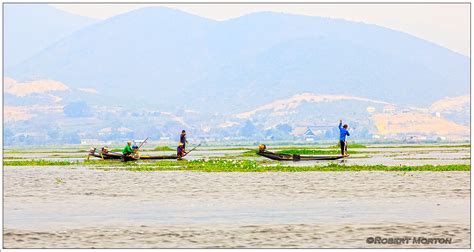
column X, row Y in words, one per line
column 225, row 165
column 40, row 162
column 253, row 166
column 163, row 148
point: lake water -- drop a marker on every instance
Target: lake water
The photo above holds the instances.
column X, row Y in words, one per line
column 80, row 207
column 365, row 156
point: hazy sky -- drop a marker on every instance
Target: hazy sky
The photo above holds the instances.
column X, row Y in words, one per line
column 444, row 24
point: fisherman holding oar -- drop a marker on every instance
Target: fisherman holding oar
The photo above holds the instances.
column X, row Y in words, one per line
column 182, row 139
column 342, row 138
column 181, row 150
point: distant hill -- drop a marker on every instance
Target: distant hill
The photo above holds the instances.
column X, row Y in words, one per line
column 365, row 116
column 49, row 111
column 30, row 28
column 456, row 109
column 170, row 58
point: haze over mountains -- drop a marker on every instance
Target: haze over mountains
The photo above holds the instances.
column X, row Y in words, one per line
column 30, row 28
column 162, row 59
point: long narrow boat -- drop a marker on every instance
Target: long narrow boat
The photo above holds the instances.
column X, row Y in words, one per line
column 289, row 157
column 115, row 155
column 108, row 155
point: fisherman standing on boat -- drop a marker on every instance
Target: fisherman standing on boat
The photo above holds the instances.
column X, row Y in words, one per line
column 342, row 138
column 182, row 139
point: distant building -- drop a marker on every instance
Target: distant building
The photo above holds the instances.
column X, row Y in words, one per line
column 311, row 133
column 94, row 141
column 414, row 139
column 389, row 109
column 370, row 109
column 308, row 133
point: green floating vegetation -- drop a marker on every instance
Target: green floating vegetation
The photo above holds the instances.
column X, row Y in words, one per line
column 39, row 162
column 253, row 166
column 249, row 153
column 59, row 180
column 200, row 165
column 163, row 148
column 13, row 158
column 350, row 145
column 43, row 162
column 231, row 166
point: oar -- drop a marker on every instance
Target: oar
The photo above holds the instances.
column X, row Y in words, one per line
column 191, row 149
column 138, row 148
column 143, row 143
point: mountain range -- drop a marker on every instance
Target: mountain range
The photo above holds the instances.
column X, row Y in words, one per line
column 166, row 62
column 170, row 57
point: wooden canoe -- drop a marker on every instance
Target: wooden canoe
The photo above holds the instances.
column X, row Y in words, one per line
column 289, row 157
column 108, row 155
column 115, row 155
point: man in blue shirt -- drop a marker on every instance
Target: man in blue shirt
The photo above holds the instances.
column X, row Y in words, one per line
column 342, row 138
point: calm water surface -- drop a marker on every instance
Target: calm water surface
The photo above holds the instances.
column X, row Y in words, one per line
column 94, row 208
